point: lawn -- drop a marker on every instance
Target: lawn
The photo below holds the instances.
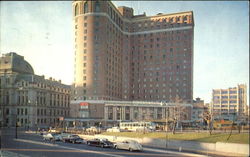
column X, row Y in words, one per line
column 192, row 136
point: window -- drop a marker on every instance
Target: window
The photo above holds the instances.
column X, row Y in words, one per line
column 76, row 10
column 185, row 18
column 97, row 6
column 224, row 92
column 85, row 6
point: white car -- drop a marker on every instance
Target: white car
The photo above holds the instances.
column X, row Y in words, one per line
column 51, row 136
column 114, row 129
column 130, row 145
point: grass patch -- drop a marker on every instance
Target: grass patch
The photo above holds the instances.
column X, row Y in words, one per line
column 193, row 136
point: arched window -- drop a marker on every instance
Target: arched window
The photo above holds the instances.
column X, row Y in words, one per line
column 76, row 9
column 85, row 7
column 97, row 6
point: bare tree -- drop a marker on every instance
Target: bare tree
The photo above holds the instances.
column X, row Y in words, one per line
column 207, row 116
column 231, row 130
column 178, row 111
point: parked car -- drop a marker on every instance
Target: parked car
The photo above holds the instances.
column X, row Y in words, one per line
column 73, row 139
column 63, row 135
column 130, row 145
column 101, row 142
column 114, row 129
column 51, row 137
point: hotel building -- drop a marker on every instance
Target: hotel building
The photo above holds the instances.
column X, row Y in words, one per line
column 230, row 103
column 28, row 99
column 122, row 56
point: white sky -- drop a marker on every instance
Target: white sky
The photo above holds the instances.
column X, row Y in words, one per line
column 42, row 32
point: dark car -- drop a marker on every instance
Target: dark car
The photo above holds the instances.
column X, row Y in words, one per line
column 100, row 142
column 73, row 139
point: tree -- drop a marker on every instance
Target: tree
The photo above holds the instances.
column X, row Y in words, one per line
column 208, row 119
column 178, row 111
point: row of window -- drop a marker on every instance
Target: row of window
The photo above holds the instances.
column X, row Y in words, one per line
column 86, row 8
column 51, row 112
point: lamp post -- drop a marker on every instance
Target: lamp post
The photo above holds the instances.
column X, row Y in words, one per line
column 166, row 132
column 16, row 126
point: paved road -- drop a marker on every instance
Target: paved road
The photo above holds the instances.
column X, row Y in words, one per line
column 32, row 145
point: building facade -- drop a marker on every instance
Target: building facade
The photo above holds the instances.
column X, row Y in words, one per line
column 115, row 111
column 200, row 110
column 110, row 113
column 122, row 56
column 87, row 109
column 230, row 103
column 28, row 99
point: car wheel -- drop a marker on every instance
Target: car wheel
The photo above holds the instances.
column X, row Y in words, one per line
column 73, row 142
column 130, row 149
column 88, row 143
column 116, row 147
column 102, row 145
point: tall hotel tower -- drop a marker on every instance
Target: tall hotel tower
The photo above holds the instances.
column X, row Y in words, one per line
column 122, row 56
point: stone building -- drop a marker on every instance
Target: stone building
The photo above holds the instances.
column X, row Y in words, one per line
column 146, row 111
column 28, row 99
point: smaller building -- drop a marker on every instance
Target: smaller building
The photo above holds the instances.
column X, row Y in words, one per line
column 115, row 111
column 230, row 103
column 110, row 113
column 199, row 110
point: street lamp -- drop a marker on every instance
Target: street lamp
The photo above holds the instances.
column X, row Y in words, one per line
column 16, row 125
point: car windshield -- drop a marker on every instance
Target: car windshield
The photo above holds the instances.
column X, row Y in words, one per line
column 75, row 136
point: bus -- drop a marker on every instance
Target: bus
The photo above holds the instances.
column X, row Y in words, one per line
column 224, row 124
column 138, row 126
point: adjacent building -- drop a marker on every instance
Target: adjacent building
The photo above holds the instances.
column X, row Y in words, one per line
column 230, row 103
column 199, row 112
column 27, row 99
column 146, row 111
column 122, row 56
column 111, row 113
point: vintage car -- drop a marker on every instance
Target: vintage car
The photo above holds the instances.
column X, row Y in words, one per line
column 51, row 137
column 130, row 145
column 72, row 139
column 101, row 142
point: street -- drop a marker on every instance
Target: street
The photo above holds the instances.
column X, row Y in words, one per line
column 32, row 145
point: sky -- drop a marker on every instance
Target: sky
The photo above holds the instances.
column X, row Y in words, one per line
column 42, row 32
